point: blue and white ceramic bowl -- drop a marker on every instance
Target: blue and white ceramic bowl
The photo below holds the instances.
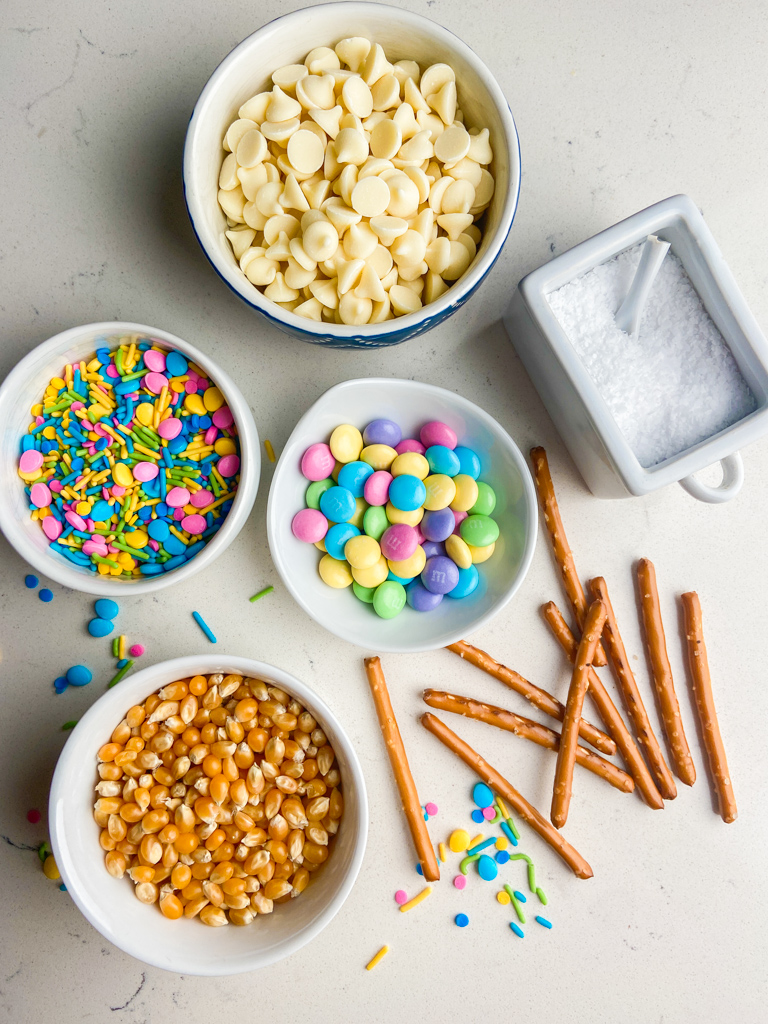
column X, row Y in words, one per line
column 246, row 71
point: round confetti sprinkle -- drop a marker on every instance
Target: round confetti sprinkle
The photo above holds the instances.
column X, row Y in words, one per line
column 33, row 816
column 482, row 795
column 502, row 843
column 459, row 840
column 477, row 817
column 79, row 675
column 488, row 813
column 418, row 869
column 486, row 868
column 503, row 898
column 502, row 857
column 401, row 897
column 31, row 581
column 46, row 595
column 460, row 882
column 461, row 920
column 431, row 809
column 136, row 650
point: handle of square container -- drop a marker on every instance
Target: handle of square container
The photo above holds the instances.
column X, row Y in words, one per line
column 729, row 486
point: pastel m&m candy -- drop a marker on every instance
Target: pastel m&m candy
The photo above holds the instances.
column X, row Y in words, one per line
column 318, row 462
column 421, row 599
column 407, row 493
column 389, row 599
column 466, row 493
column 346, row 443
column 441, row 490
column 469, row 580
column 440, row 575
column 337, row 538
column 309, row 525
column 479, row 530
column 436, row 432
column 384, row 432
column 380, row 456
column 410, row 444
column 353, row 476
column 411, row 463
column 485, row 502
column 337, row 504
column 376, row 488
column 335, row 573
column 362, row 552
column 442, row 460
column 438, row 525
column 399, row 542
column 469, row 461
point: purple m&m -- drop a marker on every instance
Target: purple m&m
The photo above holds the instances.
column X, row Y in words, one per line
column 440, row 575
column 421, row 599
column 432, row 548
column 439, row 525
column 382, row 432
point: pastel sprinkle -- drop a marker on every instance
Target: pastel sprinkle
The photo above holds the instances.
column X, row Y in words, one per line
column 543, row 921
column 441, row 855
column 79, row 675
column 486, row 868
column 517, row 929
column 481, row 846
column 503, row 898
column 106, row 608
column 459, row 840
column 461, row 920
column 506, row 829
column 431, row 809
column 416, row 900
column 377, row 959
column 31, row 582
column 502, row 843
column 116, row 678
column 460, row 882
column 478, row 817
column 261, row 593
column 45, row 595
column 204, row 626
column 136, row 650
column 33, row 816
column 502, row 857
column 482, row 795
column 542, row 897
column 269, row 450
column 520, row 896
column 489, row 813
column 419, row 870
column 401, row 897
column 69, row 725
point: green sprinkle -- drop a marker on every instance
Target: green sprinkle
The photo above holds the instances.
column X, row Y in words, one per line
column 116, row 679
column 119, row 360
column 106, row 561
column 515, row 903
column 43, row 850
column 542, row 897
column 131, row 551
column 134, row 376
column 115, row 643
column 532, row 878
column 261, row 593
column 69, row 725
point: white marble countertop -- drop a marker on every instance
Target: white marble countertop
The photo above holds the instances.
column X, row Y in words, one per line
column 617, row 105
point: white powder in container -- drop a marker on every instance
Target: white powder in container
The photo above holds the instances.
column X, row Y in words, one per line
column 672, row 385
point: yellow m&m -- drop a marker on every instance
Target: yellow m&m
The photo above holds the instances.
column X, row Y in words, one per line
column 346, row 443
column 335, row 573
column 407, row 568
column 441, row 490
column 410, row 463
column 466, row 493
column 380, row 456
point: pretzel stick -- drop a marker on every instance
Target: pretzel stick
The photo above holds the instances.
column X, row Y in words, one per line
column 529, row 730
column 539, row 698
column 560, row 547
column 409, row 797
column 632, row 699
column 662, row 672
column 491, row 777
column 566, row 755
column 607, row 710
column 705, row 705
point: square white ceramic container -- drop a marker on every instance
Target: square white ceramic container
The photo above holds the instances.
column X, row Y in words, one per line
column 586, row 425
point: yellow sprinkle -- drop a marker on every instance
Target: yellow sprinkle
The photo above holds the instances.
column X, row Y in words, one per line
column 503, row 808
column 270, row 450
column 121, row 647
column 50, row 868
column 219, row 477
column 177, row 533
column 224, row 445
column 379, row 957
column 459, row 840
column 129, row 359
column 503, row 898
column 83, row 508
column 441, row 851
column 145, row 451
column 501, row 843
column 192, row 485
column 68, row 373
column 220, row 501
column 122, row 474
column 475, row 841
column 416, row 900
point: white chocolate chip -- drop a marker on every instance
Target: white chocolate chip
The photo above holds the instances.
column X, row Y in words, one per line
column 305, row 151
column 322, row 58
column 255, row 109
column 484, row 190
column 404, row 195
column 232, row 201
column 375, row 65
column 409, row 249
column 287, row 76
column 380, row 261
column 228, row 178
column 480, row 147
column 427, row 121
column 458, row 262
column 381, row 311
column 438, row 255
column 316, row 91
column 325, row 291
column 435, row 77
column 279, row 291
column 282, row 107
column 468, row 169
column 359, row 241
column 369, row 286
column 386, row 139
column 349, row 274
column 434, row 287
column 253, row 217
column 353, row 51
column 293, row 198
column 328, row 120
column 454, row 224
column 452, row 145
column 353, row 310
column 240, row 240
column 311, row 309
column 279, row 131
column 356, row 96
column 297, row 276
column 351, row 147
column 444, row 102
column 250, row 254
column 370, row 197
column 339, row 214
column 385, row 94
column 281, row 223
column 321, row 240
column 299, row 253
column 405, row 119
column 389, row 228
column 251, row 179
column 261, row 271
column 268, row 198
column 413, row 95
column 236, row 131
column 251, row 149
column 405, row 69
column 459, row 197
column 404, row 300
column 415, row 151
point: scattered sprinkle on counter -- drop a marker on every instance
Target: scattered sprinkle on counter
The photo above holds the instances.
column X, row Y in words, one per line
column 378, row 958
column 461, row 920
column 131, row 462
column 46, row 595
column 401, row 897
column 261, row 593
column 543, row 921
column 30, row 582
column 33, row 816
column 204, row 626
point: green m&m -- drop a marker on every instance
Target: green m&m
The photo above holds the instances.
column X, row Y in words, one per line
column 486, row 500
column 479, row 530
column 389, row 599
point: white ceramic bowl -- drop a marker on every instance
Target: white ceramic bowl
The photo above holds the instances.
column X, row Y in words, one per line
column 246, row 71
column 184, row 946
column 23, row 387
column 410, row 404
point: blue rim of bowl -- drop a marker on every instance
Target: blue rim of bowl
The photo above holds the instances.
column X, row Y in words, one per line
column 360, row 340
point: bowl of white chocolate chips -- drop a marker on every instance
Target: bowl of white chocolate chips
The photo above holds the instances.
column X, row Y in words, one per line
column 352, row 172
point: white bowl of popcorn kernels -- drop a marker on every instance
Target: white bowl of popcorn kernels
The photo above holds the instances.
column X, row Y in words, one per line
column 442, row 81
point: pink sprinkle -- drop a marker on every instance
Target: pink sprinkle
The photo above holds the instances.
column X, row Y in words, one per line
column 176, row 398
column 145, row 471
column 113, row 550
column 202, row 384
column 118, row 491
column 155, row 382
column 192, row 374
column 136, row 650
column 40, row 495
column 202, row 499
column 95, row 547
column 112, row 370
column 194, row 524
column 39, row 420
column 55, row 486
column 154, row 360
column 105, row 493
column 169, row 428
column 190, row 386
column 76, row 406
column 177, row 497
column 87, row 424
column 460, row 882
column 30, row 461
column 154, row 545
column 178, row 514
column 52, row 528
column 75, row 520
column 401, row 897
column 489, row 812
column 223, row 417
column 210, row 434
column 90, row 523
column 33, row 816
column 100, row 430
column 228, row 465
column 430, row 809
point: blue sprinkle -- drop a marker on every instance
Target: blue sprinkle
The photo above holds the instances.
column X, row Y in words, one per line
column 482, row 795
column 544, row 921
column 508, row 832
column 79, row 675
column 521, row 897
column 419, row 870
column 173, row 545
column 161, row 508
column 477, row 817
column 202, row 623
column 105, row 608
column 102, row 511
column 145, row 513
column 149, row 569
column 62, row 888
column 486, row 868
column 100, row 627
column 478, row 847
column 461, row 920
column 517, row 929
column 31, row 581
column 60, row 684
column 174, row 563
column 122, row 663
column 502, row 857
column 176, row 364
column 46, row 595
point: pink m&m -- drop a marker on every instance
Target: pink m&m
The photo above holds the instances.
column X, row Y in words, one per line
column 177, row 497
column 399, row 542
column 376, row 489
column 155, row 382
column 40, row 495
column 317, row 462
column 436, row 432
column 202, row 499
column 228, row 465
column 459, row 517
column 410, row 444
column 154, row 360
column 194, row 524
column 30, row 461
column 145, row 471
column 309, row 525
column 169, row 428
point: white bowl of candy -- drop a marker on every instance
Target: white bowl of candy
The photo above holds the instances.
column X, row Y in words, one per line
column 358, row 155
column 81, row 526
column 366, row 592
column 134, row 914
